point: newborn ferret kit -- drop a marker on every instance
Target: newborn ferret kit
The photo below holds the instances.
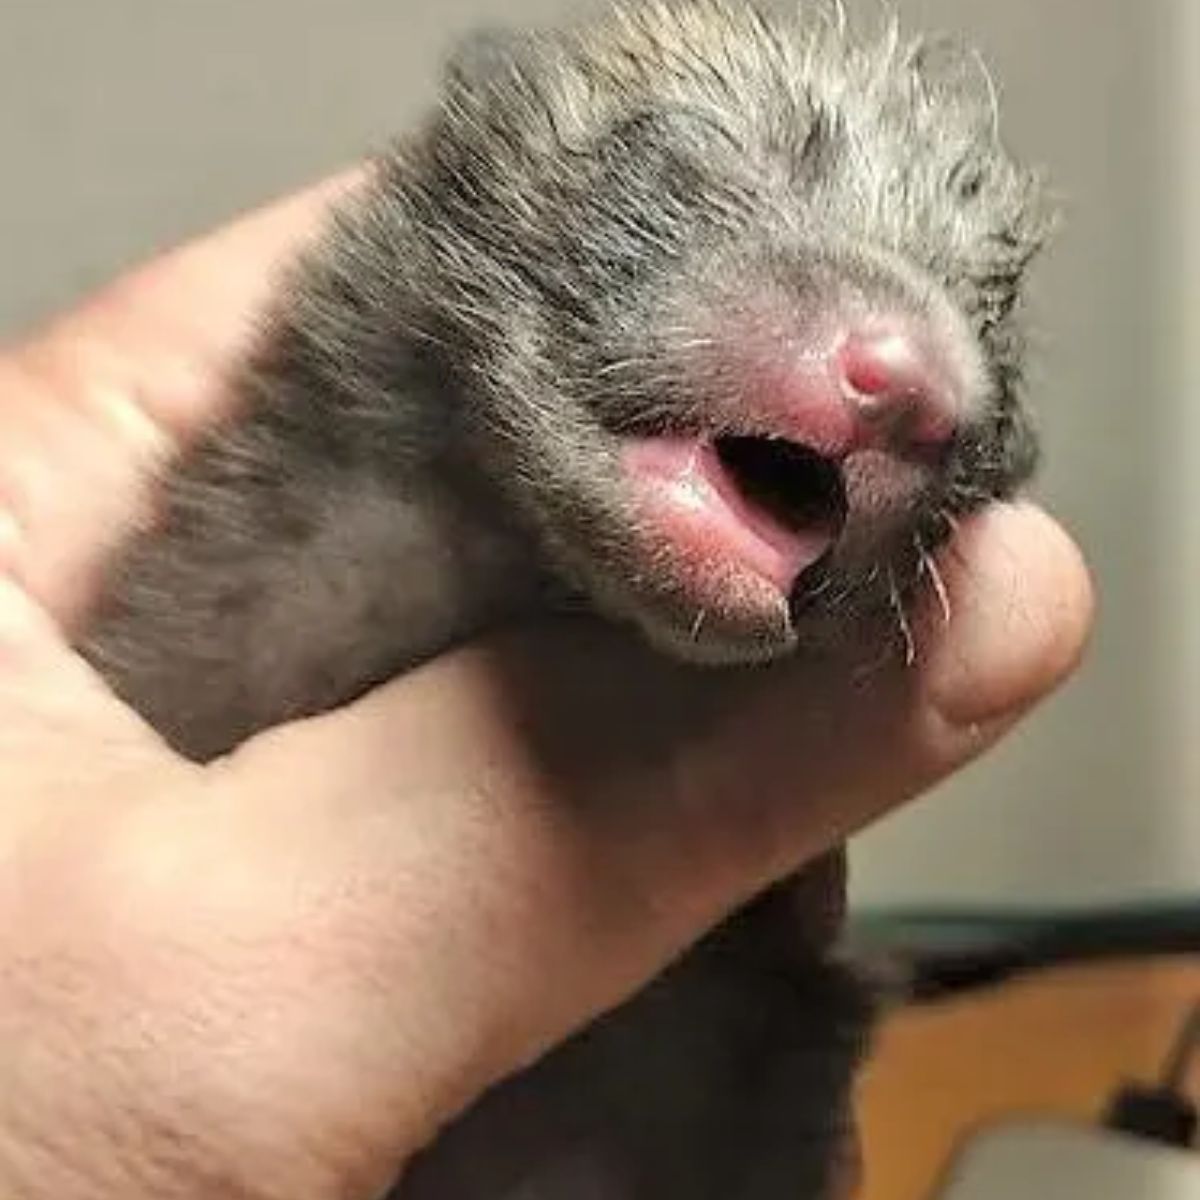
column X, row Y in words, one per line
column 701, row 314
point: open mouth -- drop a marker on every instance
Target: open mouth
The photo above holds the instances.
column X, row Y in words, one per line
column 788, row 485
column 764, row 506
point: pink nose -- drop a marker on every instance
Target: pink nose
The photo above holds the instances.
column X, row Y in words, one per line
column 897, row 390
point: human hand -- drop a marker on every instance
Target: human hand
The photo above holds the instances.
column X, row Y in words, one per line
column 282, row 974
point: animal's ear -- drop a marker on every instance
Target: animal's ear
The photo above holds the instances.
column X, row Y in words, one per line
column 483, row 59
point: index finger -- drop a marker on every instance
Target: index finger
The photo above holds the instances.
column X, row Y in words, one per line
column 94, row 404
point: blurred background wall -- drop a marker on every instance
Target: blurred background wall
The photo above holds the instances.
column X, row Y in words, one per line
column 127, row 125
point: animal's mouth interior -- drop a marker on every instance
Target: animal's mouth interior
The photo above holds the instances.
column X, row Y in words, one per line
column 793, row 486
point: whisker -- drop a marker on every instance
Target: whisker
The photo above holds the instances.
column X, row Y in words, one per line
column 951, row 520
column 843, row 20
column 910, row 645
column 993, row 93
column 822, row 590
column 955, row 525
column 930, row 568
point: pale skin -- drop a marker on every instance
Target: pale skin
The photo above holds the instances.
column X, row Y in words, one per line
column 280, row 975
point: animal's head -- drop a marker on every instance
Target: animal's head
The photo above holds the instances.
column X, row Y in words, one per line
column 739, row 297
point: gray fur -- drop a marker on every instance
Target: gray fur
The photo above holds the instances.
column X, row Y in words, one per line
column 427, row 436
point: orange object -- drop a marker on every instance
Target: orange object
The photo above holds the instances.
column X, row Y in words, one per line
column 1056, row 1043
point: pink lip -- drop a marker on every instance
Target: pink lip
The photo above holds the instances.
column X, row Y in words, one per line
column 687, row 496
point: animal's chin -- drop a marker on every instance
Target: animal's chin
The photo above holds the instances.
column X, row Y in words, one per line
column 733, row 525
